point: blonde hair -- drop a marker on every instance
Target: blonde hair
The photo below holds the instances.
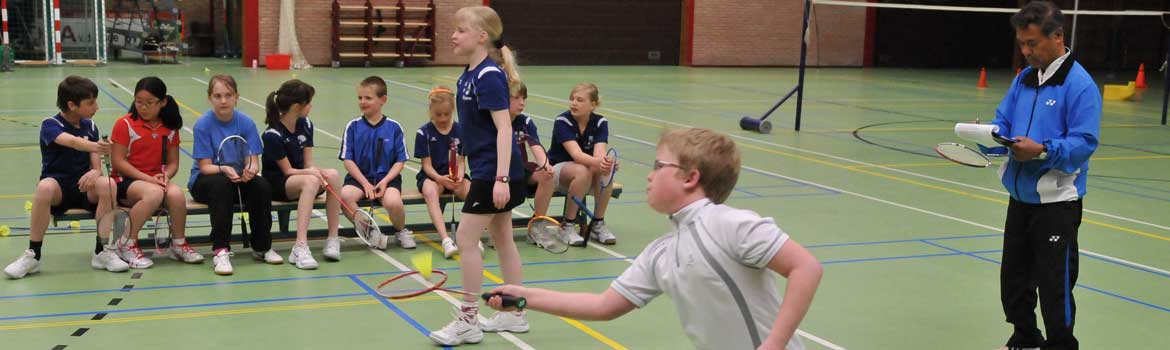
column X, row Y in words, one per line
column 224, row 79
column 590, row 89
column 713, row 154
column 441, row 95
column 486, row 19
column 516, row 88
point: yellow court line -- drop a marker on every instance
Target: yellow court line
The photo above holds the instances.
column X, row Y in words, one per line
column 18, row 148
column 576, row 324
column 10, row 196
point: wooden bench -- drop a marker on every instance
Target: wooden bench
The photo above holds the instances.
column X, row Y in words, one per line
column 284, row 210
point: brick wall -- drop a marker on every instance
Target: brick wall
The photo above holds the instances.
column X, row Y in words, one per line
column 314, row 23
column 767, row 33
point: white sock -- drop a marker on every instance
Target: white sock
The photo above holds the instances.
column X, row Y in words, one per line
column 179, row 241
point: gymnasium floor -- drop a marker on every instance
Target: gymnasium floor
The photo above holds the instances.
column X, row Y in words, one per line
column 910, row 242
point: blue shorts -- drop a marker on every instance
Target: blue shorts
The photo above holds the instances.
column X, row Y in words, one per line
column 71, row 197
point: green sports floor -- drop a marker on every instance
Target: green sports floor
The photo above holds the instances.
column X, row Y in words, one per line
column 910, row 242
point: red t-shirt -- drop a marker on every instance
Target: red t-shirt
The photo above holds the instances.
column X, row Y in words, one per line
column 143, row 143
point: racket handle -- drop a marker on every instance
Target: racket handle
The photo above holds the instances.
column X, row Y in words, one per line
column 509, row 301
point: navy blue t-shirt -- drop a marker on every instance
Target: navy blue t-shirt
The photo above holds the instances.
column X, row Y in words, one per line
column 62, row 162
column 565, row 128
column 361, row 142
column 281, row 143
column 429, row 142
column 482, row 90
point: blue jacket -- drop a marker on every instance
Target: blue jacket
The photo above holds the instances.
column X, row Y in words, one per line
column 1065, row 115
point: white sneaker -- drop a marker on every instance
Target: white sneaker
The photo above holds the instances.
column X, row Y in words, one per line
column 602, row 234
column 183, row 252
column 405, row 239
column 461, row 330
column 25, row 264
column 302, row 257
column 506, row 321
column 109, row 261
column 378, row 240
column 449, row 248
column 134, row 256
column 571, row 235
column 270, row 256
column 222, row 263
column 332, row 249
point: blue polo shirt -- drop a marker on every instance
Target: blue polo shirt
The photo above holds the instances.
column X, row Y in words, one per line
column 481, row 90
column 565, row 128
column 363, row 141
column 429, row 142
column 210, row 131
column 281, row 143
column 523, row 125
column 62, row 162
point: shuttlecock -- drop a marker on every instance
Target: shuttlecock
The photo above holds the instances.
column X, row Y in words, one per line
column 5, row 230
column 422, row 264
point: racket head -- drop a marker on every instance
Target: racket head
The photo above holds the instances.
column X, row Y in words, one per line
column 961, row 154
column 606, row 180
column 410, row 284
column 115, row 224
column 161, row 232
column 233, row 152
column 365, row 226
column 545, row 231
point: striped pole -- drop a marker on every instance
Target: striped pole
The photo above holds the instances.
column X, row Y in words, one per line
column 4, row 14
column 57, row 32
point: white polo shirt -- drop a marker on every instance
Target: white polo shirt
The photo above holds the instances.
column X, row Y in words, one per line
column 713, row 264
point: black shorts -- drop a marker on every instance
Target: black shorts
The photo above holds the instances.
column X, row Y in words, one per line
column 350, row 181
column 71, row 197
column 279, row 193
column 418, row 183
column 479, row 198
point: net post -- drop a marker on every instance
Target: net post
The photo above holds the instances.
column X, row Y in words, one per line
column 1166, row 82
column 803, row 57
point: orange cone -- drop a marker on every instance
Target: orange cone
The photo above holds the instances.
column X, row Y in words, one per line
column 1140, row 82
column 982, row 78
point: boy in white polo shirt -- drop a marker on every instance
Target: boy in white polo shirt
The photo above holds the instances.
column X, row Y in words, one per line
column 713, row 262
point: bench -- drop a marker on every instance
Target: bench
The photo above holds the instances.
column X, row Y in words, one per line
column 284, row 210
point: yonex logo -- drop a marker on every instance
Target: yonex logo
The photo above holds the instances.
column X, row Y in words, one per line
column 1050, row 102
column 1053, row 238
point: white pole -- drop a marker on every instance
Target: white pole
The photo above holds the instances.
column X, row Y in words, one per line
column 1073, row 38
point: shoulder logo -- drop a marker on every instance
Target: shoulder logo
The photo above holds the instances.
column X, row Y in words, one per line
column 1050, row 102
column 301, row 138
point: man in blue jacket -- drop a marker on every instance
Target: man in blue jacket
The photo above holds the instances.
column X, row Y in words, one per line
column 1053, row 111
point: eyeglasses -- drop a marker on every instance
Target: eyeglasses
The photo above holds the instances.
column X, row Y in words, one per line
column 659, row 164
column 147, row 104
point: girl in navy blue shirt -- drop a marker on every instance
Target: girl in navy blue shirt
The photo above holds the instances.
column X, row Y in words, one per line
column 288, row 167
column 432, row 145
column 578, row 150
column 486, row 128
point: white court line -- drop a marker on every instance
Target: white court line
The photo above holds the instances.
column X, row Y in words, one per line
column 1087, row 252
column 506, row 335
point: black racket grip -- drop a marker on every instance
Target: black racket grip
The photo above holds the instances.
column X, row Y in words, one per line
column 510, row 301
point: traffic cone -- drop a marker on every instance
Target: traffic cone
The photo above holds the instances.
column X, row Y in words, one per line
column 1140, row 82
column 982, row 78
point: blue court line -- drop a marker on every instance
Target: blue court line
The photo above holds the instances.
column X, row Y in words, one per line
column 392, row 307
column 894, row 241
column 285, row 279
column 1135, row 194
column 1082, row 285
column 273, row 300
column 1143, row 187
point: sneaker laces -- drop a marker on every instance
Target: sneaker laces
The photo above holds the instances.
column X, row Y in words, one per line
column 136, row 250
column 185, row 248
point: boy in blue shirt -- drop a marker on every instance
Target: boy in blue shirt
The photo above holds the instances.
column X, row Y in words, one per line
column 374, row 152
column 71, row 175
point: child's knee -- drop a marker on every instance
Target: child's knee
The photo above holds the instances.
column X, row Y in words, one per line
column 47, row 187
